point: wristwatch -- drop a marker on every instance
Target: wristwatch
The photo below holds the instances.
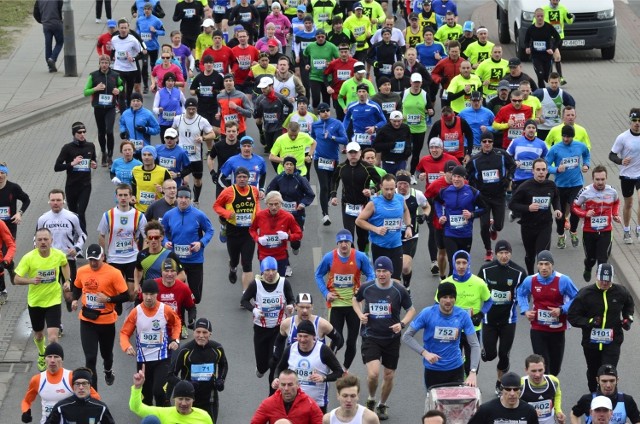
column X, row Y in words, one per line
column 473, row 370
column 402, row 324
column 177, row 341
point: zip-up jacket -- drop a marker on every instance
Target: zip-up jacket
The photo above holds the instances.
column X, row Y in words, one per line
column 267, row 224
column 183, row 227
column 545, row 193
column 76, row 410
column 324, row 131
column 503, row 282
column 355, row 178
column 573, row 156
column 272, row 112
column 293, row 188
column 605, row 203
column 451, row 202
column 394, row 144
column 491, row 172
column 131, row 119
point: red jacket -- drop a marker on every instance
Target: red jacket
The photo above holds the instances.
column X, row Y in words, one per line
column 433, row 167
column 266, row 224
column 445, row 70
column 303, row 411
column 6, row 240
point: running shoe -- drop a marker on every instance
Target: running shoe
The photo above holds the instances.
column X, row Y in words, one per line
column 184, row 334
column 413, row 180
column 638, row 232
column 295, row 251
column 574, row 240
column 488, row 257
column 498, row 388
column 109, row 377
column 326, row 221
column 223, row 234
column 492, row 232
column 627, row 237
column 3, row 297
column 587, row 274
column 259, row 374
column 103, row 160
column 42, row 363
column 61, row 331
column 145, row 90
column 563, row 81
column 371, row 404
column 52, row 65
column 562, row 242
column 512, row 217
column 233, row 275
column 289, row 271
column 381, row 412
column 435, row 269
column 98, row 20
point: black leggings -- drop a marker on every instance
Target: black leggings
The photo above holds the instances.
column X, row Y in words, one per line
column 542, row 67
column 535, row 240
column 105, row 118
column 452, row 245
column 77, row 200
column 567, row 196
column 128, row 80
column 417, row 142
column 149, row 58
column 549, row 345
column 263, row 341
column 324, row 180
column 431, row 242
column 349, row 223
column 338, row 316
column 597, row 247
column 156, row 374
column 610, row 354
column 210, row 404
column 93, row 335
column 107, row 8
column 319, row 91
column 241, row 246
column 496, row 210
column 433, row 377
column 490, row 336
column 194, row 278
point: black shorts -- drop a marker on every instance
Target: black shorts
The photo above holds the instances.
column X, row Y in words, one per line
column 386, row 350
column 51, row 315
column 218, row 17
column 439, row 237
column 409, row 247
column 127, row 270
column 628, row 185
column 196, row 169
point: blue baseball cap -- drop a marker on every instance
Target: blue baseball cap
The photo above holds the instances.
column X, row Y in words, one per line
column 111, row 23
column 468, row 26
column 268, row 263
column 358, row 5
column 246, row 140
column 344, row 235
column 302, row 8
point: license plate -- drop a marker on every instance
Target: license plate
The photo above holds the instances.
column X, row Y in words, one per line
column 573, row 43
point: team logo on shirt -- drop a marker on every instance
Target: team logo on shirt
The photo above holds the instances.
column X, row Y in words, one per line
column 509, row 282
column 124, row 220
column 155, row 324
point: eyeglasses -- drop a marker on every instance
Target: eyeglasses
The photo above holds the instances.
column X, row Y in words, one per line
column 516, row 100
column 154, row 237
column 487, row 141
column 81, row 384
column 511, row 389
column 635, row 119
column 81, row 131
column 166, row 57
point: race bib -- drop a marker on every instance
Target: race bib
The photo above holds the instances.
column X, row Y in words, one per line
column 189, row 13
column 343, row 75
column 245, row 16
column 490, row 176
column 352, row 210
column 414, row 119
column 151, row 339
column 358, row 31
column 599, row 222
column 501, row 297
column 243, row 220
column 273, row 240
column 380, row 310
column 121, row 55
column 545, row 317
column 253, row 177
column 514, row 133
column 457, row 221
column 137, row 144
column 232, row 117
column 571, row 162
column 47, row 276
column 446, row 333
column 5, row 213
column 105, row 99
column 558, row 28
column 398, row 147
column 432, row 177
column 218, row 67
column 168, row 115
column 168, row 163
column 451, row 145
column 83, row 166
column 326, row 164
column 362, row 138
column 343, row 281
column 123, row 247
column 202, row 372
column 146, row 198
column 475, row 149
column 271, row 306
column 270, row 117
column 540, row 46
column 244, row 62
column 190, row 149
column 289, row 206
column 220, row 10
column 182, row 250
column 526, row 165
column 323, row 17
column 543, row 201
column 386, row 69
column 601, row 335
column 543, row 408
column 389, row 106
column 392, row 224
column 91, row 301
column 146, row 36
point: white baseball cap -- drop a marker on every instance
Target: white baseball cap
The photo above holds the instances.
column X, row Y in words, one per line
column 265, row 82
column 171, row 132
column 601, row 402
column 208, row 23
column 396, row 114
column 415, row 77
column 353, row 146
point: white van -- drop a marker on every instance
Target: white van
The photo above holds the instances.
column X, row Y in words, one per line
column 594, row 26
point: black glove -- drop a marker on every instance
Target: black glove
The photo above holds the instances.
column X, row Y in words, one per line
column 219, row 384
column 141, row 129
column 626, row 324
column 214, row 176
column 3, row 265
column 595, row 321
column 377, row 65
column 191, row 325
column 197, row 63
column 570, row 16
column 421, row 219
column 26, row 416
column 476, row 319
column 124, row 135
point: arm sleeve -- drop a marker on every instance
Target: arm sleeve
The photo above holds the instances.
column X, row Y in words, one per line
column 321, row 271
column 408, row 339
column 249, row 293
column 329, row 359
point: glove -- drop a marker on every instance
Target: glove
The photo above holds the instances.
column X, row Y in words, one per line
column 116, row 180
column 476, row 319
column 595, row 322
column 257, row 313
column 626, row 323
column 197, row 63
column 376, row 65
column 3, row 264
column 282, row 235
column 220, row 384
column 191, row 325
column 26, row 416
column 214, row 176
column 570, row 16
column 262, row 240
column 141, row 129
column 124, row 135
column 421, row 219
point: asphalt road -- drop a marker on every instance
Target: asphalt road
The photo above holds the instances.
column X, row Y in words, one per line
column 233, row 328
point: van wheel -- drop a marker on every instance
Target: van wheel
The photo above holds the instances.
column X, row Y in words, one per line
column 503, row 26
column 520, row 51
column 608, row 53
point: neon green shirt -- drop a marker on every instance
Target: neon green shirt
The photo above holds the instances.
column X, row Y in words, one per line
column 48, row 292
column 555, row 135
column 166, row 414
column 305, row 122
column 360, row 28
column 494, row 72
column 414, row 110
column 470, row 295
column 445, row 32
column 557, row 17
column 476, row 53
column 534, row 103
column 457, row 84
column 349, row 93
column 373, row 10
column 284, row 147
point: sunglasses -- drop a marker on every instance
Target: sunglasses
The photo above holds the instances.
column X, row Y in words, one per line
column 166, row 57
column 487, row 141
column 323, row 110
column 511, row 389
column 154, row 237
column 635, row 119
column 81, row 131
column 516, row 100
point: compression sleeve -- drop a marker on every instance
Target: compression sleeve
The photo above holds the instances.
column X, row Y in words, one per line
column 413, row 344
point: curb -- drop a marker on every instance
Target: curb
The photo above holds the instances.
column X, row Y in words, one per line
column 57, row 108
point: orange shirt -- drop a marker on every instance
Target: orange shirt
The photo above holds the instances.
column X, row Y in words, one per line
column 34, row 387
column 223, row 205
column 108, row 281
column 129, row 326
